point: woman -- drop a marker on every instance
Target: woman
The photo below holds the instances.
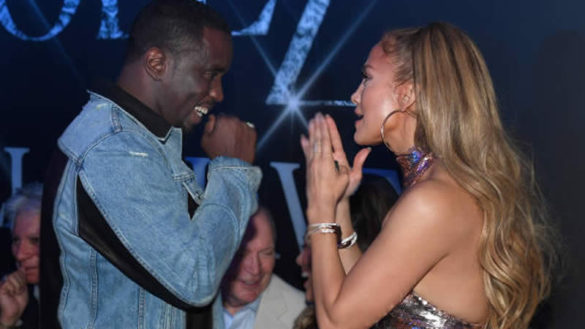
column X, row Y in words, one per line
column 463, row 247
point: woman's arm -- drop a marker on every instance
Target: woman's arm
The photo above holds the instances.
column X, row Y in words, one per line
column 342, row 213
column 350, row 255
column 417, row 234
column 415, row 237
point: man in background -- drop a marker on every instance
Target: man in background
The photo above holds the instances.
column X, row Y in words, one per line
column 252, row 296
column 19, row 291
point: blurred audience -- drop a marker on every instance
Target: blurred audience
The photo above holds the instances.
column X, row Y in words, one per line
column 19, row 289
column 6, row 261
column 251, row 295
column 369, row 206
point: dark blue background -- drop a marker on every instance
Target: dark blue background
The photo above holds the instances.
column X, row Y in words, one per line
column 534, row 49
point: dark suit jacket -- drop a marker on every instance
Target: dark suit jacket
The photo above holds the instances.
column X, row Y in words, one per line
column 30, row 316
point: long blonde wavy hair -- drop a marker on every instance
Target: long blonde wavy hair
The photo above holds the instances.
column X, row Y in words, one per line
column 458, row 120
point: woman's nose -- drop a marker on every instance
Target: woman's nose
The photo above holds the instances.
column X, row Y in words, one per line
column 355, row 97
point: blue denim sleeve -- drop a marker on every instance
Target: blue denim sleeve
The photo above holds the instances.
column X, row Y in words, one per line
column 131, row 181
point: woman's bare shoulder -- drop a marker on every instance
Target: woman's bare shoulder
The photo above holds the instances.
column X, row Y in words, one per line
column 439, row 205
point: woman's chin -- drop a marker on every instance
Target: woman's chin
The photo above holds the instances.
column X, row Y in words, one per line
column 357, row 138
column 363, row 141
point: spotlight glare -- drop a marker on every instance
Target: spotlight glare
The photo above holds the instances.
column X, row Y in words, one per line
column 293, row 104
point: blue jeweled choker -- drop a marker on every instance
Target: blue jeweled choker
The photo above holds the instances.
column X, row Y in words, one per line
column 414, row 164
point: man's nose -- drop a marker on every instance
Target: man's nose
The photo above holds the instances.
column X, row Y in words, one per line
column 22, row 251
column 216, row 91
column 252, row 264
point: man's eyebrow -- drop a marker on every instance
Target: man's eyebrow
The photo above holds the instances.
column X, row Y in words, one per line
column 219, row 69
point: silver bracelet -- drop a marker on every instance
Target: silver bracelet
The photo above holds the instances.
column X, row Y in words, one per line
column 348, row 242
column 324, row 228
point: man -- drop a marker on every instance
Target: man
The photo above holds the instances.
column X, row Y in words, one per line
column 19, row 289
column 140, row 243
column 253, row 297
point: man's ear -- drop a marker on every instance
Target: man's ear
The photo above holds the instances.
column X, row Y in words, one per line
column 156, row 63
column 406, row 95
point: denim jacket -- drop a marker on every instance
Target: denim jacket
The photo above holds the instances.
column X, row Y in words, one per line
column 141, row 187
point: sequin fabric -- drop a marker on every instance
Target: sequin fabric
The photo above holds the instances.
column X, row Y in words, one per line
column 416, row 313
column 414, row 164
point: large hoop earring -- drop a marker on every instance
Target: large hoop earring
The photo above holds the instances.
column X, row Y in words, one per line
column 386, row 119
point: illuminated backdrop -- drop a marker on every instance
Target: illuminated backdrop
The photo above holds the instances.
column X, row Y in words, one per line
column 294, row 58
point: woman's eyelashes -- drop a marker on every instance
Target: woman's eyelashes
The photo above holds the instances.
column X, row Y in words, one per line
column 365, row 77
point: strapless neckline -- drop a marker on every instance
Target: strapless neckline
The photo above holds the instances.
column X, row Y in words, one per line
column 415, row 312
column 443, row 313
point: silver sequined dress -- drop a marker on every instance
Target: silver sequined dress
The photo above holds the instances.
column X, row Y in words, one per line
column 416, row 313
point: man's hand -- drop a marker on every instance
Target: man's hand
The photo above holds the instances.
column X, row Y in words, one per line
column 13, row 298
column 229, row 136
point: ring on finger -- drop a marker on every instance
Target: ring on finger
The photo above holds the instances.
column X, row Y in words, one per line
column 250, row 124
column 316, row 147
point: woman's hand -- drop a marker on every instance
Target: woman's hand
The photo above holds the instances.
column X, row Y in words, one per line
column 326, row 181
column 355, row 172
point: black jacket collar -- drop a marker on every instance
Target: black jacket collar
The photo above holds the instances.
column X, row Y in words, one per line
column 150, row 119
